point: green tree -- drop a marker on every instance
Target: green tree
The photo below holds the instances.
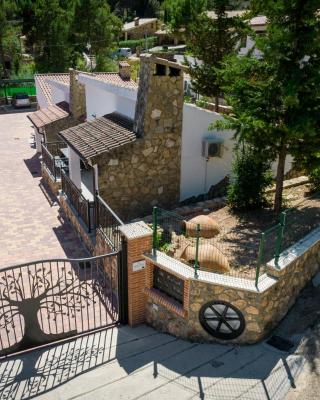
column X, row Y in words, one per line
column 251, row 175
column 180, row 13
column 276, row 99
column 8, row 34
column 210, row 40
column 94, row 23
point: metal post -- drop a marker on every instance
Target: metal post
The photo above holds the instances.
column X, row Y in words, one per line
column 196, row 261
column 278, row 248
column 260, row 256
column 155, row 229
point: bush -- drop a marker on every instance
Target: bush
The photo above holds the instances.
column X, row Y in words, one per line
column 251, row 175
column 133, row 44
column 314, row 176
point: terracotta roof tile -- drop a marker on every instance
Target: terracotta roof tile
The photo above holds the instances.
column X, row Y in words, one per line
column 50, row 114
column 99, row 136
column 43, row 81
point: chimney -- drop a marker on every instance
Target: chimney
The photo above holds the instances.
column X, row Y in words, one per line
column 160, row 98
column 125, row 70
column 77, row 103
column 136, row 21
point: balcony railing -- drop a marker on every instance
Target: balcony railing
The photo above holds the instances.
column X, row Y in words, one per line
column 53, row 158
column 84, row 208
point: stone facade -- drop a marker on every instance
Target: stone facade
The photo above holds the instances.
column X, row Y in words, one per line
column 77, row 96
column 263, row 307
column 140, row 31
column 49, row 180
column 86, row 238
column 52, row 130
column 146, row 173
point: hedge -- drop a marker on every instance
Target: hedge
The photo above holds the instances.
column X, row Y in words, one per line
column 133, row 44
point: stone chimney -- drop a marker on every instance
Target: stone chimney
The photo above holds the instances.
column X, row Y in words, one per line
column 77, row 101
column 136, row 21
column 125, row 70
column 159, row 106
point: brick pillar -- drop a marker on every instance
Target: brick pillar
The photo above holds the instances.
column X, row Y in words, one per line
column 139, row 240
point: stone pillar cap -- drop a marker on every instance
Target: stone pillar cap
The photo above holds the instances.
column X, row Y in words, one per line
column 135, row 230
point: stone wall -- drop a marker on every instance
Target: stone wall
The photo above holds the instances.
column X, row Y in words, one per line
column 110, row 263
column 77, row 96
column 146, row 173
column 81, row 230
column 263, row 307
column 49, row 180
column 139, row 32
column 51, row 130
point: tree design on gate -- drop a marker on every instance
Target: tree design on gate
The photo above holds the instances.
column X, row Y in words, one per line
column 34, row 298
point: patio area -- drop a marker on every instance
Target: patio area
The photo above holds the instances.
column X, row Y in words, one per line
column 32, row 226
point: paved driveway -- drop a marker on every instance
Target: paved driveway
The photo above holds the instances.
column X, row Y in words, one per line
column 31, row 227
column 141, row 363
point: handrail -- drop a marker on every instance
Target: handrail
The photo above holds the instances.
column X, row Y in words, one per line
column 110, row 210
column 74, row 260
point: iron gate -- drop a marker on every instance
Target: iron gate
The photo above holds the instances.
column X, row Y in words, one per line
column 50, row 300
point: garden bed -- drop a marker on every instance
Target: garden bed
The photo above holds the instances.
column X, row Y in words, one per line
column 240, row 235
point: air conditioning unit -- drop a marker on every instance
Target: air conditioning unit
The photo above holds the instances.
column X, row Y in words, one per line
column 212, row 147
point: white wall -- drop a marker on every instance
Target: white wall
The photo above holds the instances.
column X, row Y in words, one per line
column 41, row 100
column 60, row 93
column 198, row 174
column 100, row 102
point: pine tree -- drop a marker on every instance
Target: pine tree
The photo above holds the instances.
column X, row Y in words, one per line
column 276, row 99
column 210, row 40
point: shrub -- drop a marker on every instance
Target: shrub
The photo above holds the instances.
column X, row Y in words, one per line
column 314, row 176
column 133, row 44
column 251, row 175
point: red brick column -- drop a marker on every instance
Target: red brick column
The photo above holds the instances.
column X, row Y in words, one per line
column 139, row 241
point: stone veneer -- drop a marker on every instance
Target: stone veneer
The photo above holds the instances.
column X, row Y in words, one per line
column 78, row 226
column 52, row 130
column 138, row 176
column 263, row 307
column 49, row 180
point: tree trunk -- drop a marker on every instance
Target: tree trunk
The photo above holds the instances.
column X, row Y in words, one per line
column 280, row 178
column 216, row 104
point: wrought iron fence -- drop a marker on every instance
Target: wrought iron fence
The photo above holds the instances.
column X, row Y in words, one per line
column 50, row 300
column 213, row 247
column 53, row 158
column 108, row 222
column 84, row 208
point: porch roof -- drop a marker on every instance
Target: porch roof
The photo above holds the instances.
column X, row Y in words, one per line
column 100, row 135
column 46, row 116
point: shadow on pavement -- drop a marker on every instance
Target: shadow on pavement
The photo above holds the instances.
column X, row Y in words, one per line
column 149, row 361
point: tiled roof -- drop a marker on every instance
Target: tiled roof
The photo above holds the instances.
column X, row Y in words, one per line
column 42, row 80
column 115, row 79
column 259, row 20
column 128, row 26
column 99, row 136
column 50, row 114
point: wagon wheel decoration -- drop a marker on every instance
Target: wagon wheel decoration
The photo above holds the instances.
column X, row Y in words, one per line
column 222, row 320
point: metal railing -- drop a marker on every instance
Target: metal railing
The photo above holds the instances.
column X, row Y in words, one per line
column 214, row 248
column 84, row 208
column 108, row 222
column 294, row 224
column 242, row 251
column 49, row 300
column 53, row 159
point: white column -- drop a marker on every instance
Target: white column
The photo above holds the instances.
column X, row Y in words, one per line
column 38, row 139
column 74, row 167
column 96, row 177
